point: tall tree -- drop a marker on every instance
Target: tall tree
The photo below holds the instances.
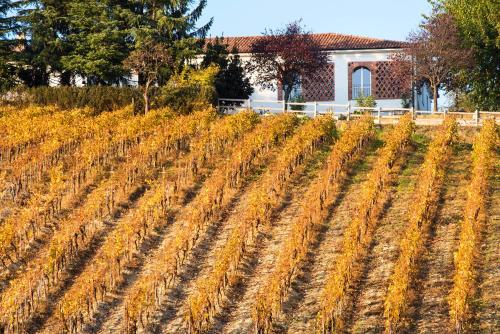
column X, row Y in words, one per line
column 5, row 19
column 43, row 29
column 93, row 37
column 284, row 56
column 231, row 80
column 434, row 54
column 7, row 25
column 173, row 23
column 479, row 25
column 99, row 34
column 148, row 59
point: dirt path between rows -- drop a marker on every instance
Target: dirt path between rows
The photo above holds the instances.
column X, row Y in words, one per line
column 300, row 310
column 488, row 302
column 367, row 313
column 435, row 280
column 237, row 316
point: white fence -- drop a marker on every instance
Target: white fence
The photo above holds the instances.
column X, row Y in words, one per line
column 347, row 111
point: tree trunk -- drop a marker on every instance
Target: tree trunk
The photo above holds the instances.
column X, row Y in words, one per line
column 435, row 97
column 65, row 79
column 286, row 96
column 146, row 97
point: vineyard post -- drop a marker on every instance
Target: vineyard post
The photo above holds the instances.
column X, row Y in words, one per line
column 284, row 105
column 412, row 111
column 348, row 111
column 476, row 116
column 315, row 109
column 378, row 114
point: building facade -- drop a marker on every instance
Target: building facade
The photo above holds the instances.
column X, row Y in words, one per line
column 356, row 65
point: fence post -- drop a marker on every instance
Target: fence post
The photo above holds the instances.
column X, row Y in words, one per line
column 412, row 111
column 378, row 114
column 284, row 106
column 249, row 103
column 315, row 109
column 348, row 111
column 477, row 115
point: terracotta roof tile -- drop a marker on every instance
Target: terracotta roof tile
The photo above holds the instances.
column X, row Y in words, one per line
column 328, row 41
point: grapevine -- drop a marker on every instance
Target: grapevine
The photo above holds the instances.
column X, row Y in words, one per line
column 421, row 212
column 23, row 129
column 20, row 301
column 93, row 156
column 318, row 200
column 357, row 237
column 461, row 294
column 263, row 200
column 104, row 273
column 215, row 196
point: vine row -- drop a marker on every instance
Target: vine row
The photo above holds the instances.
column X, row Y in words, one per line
column 263, row 201
column 421, row 213
column 20, row 301
column 483, row 165
column 317, row 201
column 145, row 296
column 105, row 272
column 358, row 235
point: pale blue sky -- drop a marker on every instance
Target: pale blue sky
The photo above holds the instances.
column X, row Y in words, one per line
column 389, row 19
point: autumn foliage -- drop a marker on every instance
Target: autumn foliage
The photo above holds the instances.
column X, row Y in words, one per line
column 464, row 280
column 103, row 219
column 207, row 299
column 146, row 294
column 357, row 237
column 77, row 232
column 421, row 214
column 316, row 201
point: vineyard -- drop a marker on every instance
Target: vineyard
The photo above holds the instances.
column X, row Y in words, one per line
column 209, row 223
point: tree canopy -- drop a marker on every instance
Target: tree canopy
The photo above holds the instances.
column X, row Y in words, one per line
column 92, row 38
column 7, row 24
column 434, row 54
column 231, row 81
column 479, row 24
column 284, row 56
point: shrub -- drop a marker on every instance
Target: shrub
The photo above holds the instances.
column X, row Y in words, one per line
column 98, row 98
column 185, row 92
column 189, row 90
column 298, row 99
column 366, row 101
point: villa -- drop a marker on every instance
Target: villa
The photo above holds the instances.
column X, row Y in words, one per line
column 356, row 65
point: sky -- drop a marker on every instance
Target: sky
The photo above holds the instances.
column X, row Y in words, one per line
column 387, row 19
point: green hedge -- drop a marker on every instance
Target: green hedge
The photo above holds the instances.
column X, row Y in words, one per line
column 181, row 97
column 99, row 98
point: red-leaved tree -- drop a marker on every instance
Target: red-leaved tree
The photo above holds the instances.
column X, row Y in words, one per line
column 284, row 56
column 434, row 54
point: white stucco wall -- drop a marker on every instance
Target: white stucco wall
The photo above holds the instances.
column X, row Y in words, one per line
column 341, row 60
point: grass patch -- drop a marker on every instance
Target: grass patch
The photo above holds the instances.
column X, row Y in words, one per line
column 419, row 143
column 364, row 166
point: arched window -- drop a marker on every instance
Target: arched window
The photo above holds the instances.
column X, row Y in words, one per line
column 361, row 82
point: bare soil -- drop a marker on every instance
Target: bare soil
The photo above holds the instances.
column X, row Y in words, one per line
column 368, row 309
